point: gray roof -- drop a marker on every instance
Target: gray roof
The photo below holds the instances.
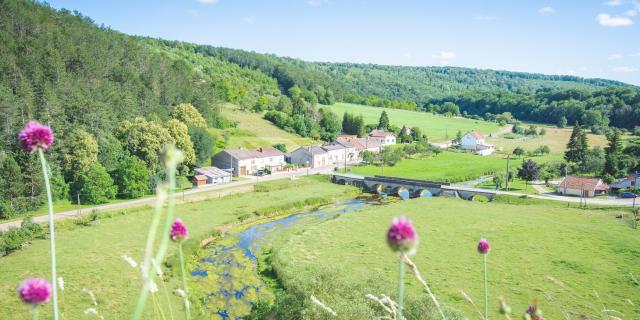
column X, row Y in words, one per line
column 338, row 145
column 213, row 172
column 264, row 152
column 314, row 150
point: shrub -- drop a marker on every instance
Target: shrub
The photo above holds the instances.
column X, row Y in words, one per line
column 15, row 238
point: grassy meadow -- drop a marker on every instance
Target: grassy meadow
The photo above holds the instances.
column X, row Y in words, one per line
column 575, row 262
column 438, row 128
column 91, row 256
column 253, row 131
column 556, row 139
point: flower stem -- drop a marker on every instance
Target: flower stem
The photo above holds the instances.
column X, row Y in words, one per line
column 400, row 289
column 166, row 295
column 184, row 283
column 52, row 237
column 486, row 290
column 34, row 312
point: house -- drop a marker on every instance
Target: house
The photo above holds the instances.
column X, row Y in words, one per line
column 475, row 141
column 341, row 152
column 362, row 144
column 582, row 186
column 384, row 137
column 248, row 162
column 313, row 156
column 211, row 175
column 632, row 181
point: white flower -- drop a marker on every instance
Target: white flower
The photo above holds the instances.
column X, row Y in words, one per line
column 153, row 288
column 130, row 261
column 181, row 293
column 91, row 295
column 93, row 312
column 61, row 283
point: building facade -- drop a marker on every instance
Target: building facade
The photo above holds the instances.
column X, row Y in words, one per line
column 245, row 162
column 475, row 141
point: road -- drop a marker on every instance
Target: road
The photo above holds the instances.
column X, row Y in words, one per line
column 206, row 192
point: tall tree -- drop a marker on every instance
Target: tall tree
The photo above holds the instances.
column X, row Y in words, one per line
column 180, row 134
column 131, row 178
column 78, row 151
column 613, row 164
column 578, row 145
column 383, row 122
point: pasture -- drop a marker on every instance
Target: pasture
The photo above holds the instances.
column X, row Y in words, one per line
column 437, row 127
column 576, row 263
column 253, row 131
column 555, row 138
column 91, row 256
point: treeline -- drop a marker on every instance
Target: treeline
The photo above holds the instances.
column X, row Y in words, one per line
column 614, row 106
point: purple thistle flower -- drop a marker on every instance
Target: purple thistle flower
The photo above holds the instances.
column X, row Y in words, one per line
column 402, row 235
column 483, row 246
column 35, row 135
column 534, row 313
column 178, row 230
column 35, row 291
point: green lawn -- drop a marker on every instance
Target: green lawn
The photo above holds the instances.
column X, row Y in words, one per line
column 438, row 128
column 575, row 262
column 90, row 257
column 253, row 131
column 555, row 138
column 516, row 185
column 446, row 166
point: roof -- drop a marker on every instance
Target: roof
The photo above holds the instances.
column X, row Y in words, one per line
column 200, row 177
column 585, row 183
column 263, row 152
column 475, row 134
column 366, row 143
column 381, row 133
column 338, row 145
column 213, row 172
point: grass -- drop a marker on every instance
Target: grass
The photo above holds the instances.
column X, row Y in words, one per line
column 555, row 138
column 575, row 262
column 91, row 257
column 253, row 131
column 438, row 128
column 446, row 166
column 516, row 185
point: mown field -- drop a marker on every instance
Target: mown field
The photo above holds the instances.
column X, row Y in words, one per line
column 253, row 131
column 91, row 256
column 438, row 128
column 575, row 262
column 555, row 138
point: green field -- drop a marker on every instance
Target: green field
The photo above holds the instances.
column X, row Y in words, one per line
column 446, row 166
column 253, row 131
column 438, row 128
column 576, row 262
column 91, row 257
column 555, row 138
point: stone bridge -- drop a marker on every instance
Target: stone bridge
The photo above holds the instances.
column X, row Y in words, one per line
column 409, row 188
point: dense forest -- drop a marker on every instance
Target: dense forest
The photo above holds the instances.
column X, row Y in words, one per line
column 114, row 99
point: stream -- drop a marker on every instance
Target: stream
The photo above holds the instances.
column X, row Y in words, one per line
column 228, row 270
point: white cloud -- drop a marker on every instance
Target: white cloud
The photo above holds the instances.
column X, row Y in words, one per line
column 609, row 21
column 485, row 18
column 613, row 3
column 631, row 13
column 615, row 56
column 444, row 55
column 625, row 69
column 546, row 10
column 208, row 1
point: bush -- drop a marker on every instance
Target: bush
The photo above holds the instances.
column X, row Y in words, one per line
column 95, row 185
column 15, row 238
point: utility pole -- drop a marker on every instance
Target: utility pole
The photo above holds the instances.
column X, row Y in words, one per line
column 507, row 174
column 78, row 199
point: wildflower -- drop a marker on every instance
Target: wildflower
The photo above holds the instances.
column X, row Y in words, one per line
column 180, row 293
column 130, row 261
column 402, row 236
column 533, row 313
column 483, row 246
column 35, row 135
column 153, row 287
column 35, row 291
column 505, row 309
column 91, row 296
column 178, row 230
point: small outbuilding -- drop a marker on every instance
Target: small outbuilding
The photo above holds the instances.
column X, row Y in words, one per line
column 210, row 175
column 583, row 186
column 199, row 180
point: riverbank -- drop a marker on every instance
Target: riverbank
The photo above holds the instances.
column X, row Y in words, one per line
column 91, row 256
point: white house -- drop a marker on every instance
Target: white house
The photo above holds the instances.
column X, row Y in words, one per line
column 248, row 162
column 211, row 175
column 384, row 137
column 582, row 186
column 362, row 144
column 314, row 156
column 475, row 141
column 340, row 152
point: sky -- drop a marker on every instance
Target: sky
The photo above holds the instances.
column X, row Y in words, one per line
column 594, row 39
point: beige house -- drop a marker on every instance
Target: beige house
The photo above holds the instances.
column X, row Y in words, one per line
column 313, row 156
column 341, row 152
column 363, row 144
column 384, row 137
column 248, row 162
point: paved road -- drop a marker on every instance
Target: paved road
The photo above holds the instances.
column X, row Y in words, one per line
column 151, row 200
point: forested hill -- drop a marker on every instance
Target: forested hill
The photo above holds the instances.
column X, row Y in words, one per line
column 342, row 81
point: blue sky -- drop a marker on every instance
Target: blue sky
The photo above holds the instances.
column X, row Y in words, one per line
column 586, row 38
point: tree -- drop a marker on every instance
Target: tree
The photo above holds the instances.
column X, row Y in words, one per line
column 383, row 122
column 144, row 139
column 78, row 151
column 391, row 156
column 284, row 104
column 417, row 135
column 189, row 115
column 562, row 122
column 330, row 124
column 545, row 173
column 541, row 150
column 518, row 151
column 94, row 185
column 528, row 171
column 613, row 164
column 594, row 161
column 280, row 146
column 368, row 156
column 459, row 137
column 131, row 178
column 543, row 131
column 577, row 146
column 180, row 134
column 404, row 135
column 203, row 144
column 498, row 181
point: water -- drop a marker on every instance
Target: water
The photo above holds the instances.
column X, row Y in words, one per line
column 227, row 270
